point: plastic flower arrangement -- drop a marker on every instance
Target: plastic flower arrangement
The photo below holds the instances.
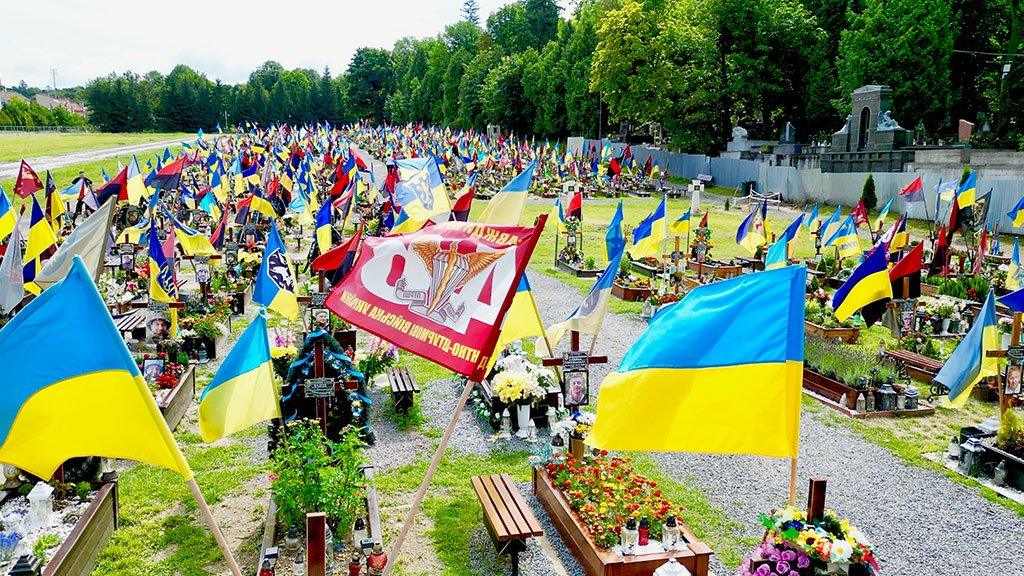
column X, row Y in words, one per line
column 516, row 379
column 378, row 357
column 794, row 546
column 605, row 492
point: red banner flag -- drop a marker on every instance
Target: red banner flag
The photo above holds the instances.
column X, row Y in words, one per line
column 440, row 293
column 28, row 181
column 860, row 214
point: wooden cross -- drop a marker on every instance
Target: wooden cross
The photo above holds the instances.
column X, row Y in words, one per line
column 204, row 287
column 574, row 346
column 1014, row 341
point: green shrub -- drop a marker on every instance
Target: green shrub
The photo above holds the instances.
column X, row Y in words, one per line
column 44, row 543
column 868, row 194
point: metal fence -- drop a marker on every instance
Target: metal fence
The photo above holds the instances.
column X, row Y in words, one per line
column 45, row 129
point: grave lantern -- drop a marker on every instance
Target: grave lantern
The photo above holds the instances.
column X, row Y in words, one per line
column 557, row 445
column 970, row 455
column 861, row 402
column 953, row 450
column 377, row 560
column 629, row 537
column 671, row 568
column 359, row 533
column 886, row 397
column 355, row 566
column 299, row 563
column 670, row 534
column 913, row 397
column 27, row 565
column 40, row 506
column 999, row 476
column 266, row 569
column 901, row 400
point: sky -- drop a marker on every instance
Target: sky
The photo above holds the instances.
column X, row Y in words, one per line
column 223, row 39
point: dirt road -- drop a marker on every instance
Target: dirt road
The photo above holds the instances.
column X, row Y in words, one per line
column 10, row 169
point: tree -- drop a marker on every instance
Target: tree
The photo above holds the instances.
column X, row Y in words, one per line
column 867, row 195
column 267, row 74
column 907, row 46
column 370, row 80
column 502, row 97
column 471, row 11
column 542, row 19
column 510, row 28
column 470, row 88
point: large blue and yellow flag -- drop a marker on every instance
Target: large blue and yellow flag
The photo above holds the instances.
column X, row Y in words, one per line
column 242, row 393
column 970, row 361
column 614, row 241
column 967, row 192
column 275, row 285
column 163, row 283
column 506, row 207
column 868, row 283
column 650, row 234
column 522, row 320
column 420, row 190
column 93, row 402
column 324, row 236
column 713, row 384
column 1017, row 213
column 845, row 239
column 42, row 243
column 1015, row 273
column 192, row 242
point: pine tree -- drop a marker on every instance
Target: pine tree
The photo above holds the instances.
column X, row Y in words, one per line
column 868, row 195
column 471, row 11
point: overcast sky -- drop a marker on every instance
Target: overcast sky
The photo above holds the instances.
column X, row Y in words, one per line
column 223, row 39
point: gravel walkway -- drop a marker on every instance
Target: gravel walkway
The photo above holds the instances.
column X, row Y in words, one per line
column 921, row 522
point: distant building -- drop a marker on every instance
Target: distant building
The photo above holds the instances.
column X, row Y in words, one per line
column 50, row 103
column 6, row 96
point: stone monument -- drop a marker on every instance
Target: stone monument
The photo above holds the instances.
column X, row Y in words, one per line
column 870, row 139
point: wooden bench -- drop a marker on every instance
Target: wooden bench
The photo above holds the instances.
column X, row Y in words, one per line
column 919, row 367
column 403, row 386
column 131, row 325
column 508, row 518
column 705, row 179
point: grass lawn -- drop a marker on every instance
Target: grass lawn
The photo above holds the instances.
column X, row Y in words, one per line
column 17, row 145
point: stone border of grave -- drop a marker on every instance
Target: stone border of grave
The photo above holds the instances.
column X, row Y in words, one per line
column 577, row 272
column 77, row 555
column 830, row 393
column 847, row 335
column 599, row 562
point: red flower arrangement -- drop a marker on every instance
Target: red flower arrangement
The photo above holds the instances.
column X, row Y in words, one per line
column 605, row 492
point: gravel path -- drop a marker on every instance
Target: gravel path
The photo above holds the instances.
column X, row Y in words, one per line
column 921, row 522
column 10, row 169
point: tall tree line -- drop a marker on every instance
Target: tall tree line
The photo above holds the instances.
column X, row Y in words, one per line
column 697, row 67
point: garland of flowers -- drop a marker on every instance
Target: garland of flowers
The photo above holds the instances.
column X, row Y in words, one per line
column 796, row 546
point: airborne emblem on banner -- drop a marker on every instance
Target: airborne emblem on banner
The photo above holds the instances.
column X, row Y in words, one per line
column 448, row 272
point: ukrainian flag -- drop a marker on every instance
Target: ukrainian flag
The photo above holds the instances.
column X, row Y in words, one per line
column 1017, row 214
column 829, row 225
column 192, row 242
column 614, row 241
column 710, row 382
column 219, row 187
column 323, row 228
column 845, row 239
column 242, row 393
column 92, row 402
column 506, row 207
column 965, row 194
column 649, row 234
column 776, row 256
column 868, row 283
column 682, row 224
column 881, row 215
column 41, row 243
column 251, row 174
column 6, row 215
column 420, row 191
column 1014, row 273
column 136, row 182
column 275, row 285
column 163, row 285
column 749, row 235
column 522, row 320
column 812, row 217
column 589, row 315
column 970, row 361
column 262, row 205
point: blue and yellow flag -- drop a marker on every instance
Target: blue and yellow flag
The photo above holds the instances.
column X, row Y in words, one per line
column 506, row 207
column 420, row 190
column 6, row 216
column 868, row 283
column 793, row 230
column 192, row 242
column 970, row 362
column 749, row 234
column 966, row 193
column 42, row 242
column 650, row 234
column 811, row 218
column 163, row 285
column 881, row 215
column 242, row 393
column 614, row 241
column 93, row 402
column 776, row 257
column 275, row 286
column 713, row 384
column 1017, row 214
column 323, row 227
column 522, row 320
column 589, row 315
column 828, row 227
column 1015, row 273
column 845, row 239
column 682, row 224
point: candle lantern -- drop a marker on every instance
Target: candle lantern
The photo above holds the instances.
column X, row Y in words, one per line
column 670, row 533
column 355, row 566
column 506, row 425
column 377, row 560
column 266, row 569
column 644, row 532
column 671, row 568
column 27, row 565
column 861, row 402
column 299, row 563
column 999, row 476
column 886, row 397
column 40, row 506
column 557, row 445
column 901, row 400
column 291, row 538
column 953, row 450
column 359, row 532
column 629, row 537
column 913, row 398
column 970, row 455
column 531, row 432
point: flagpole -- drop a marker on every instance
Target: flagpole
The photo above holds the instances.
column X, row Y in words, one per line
column 792, row 481
column 418, row 498
column 217, row 535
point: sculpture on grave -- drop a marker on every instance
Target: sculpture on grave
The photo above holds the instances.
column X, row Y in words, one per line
column 885, row 122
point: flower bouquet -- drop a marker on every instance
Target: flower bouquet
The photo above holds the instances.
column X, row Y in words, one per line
column 795, row 546
column 377, row 358
column 520, row 383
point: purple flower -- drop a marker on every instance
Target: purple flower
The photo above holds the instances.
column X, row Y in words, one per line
column 763, row 570
column 788, row 555
column 794, row 573
column 782, row 567
column 803, row 561
column 775, row 556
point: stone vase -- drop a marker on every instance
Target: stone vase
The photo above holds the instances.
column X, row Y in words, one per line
column 576, row 448
column 522, row 415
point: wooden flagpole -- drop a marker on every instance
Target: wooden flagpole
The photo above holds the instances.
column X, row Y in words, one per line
column 792, row 481
column 208, row 516
column 418, row 499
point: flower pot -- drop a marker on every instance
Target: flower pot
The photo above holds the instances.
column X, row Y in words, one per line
column 576, row 448
column 522, row 415
column 945, row 326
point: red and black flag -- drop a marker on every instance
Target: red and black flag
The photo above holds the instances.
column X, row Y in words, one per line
column 905, row 274
column 614, row 169
column 336, row 262
column 217, row 238
column 463, row 204
column 649, row 166
column 169, row 177
column 28, row 181
column 116, row 188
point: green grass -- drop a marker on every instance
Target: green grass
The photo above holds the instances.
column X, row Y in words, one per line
column 161, row 532
column 17, row 145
